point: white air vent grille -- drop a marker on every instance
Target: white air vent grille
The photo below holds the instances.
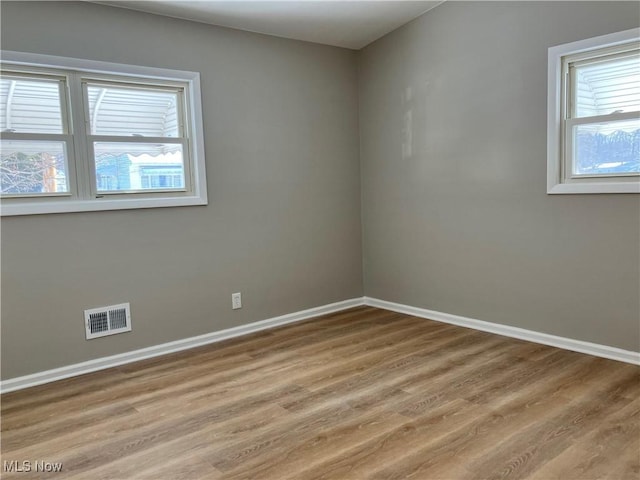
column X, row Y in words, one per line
column 110, row 320
column 117, row 319
column 98, row 322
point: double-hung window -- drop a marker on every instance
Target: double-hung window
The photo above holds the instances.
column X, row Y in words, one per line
column 82, row 136
column 594, row 115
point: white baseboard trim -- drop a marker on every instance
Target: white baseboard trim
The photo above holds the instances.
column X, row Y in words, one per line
column 595, row 349
column 47, row 376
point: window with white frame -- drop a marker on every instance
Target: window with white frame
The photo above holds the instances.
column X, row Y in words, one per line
column 81, row 135
column 594, row 115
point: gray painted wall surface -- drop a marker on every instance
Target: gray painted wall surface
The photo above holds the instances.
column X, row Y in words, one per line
column 453, row 150
column 453, row 158
column 283, row 220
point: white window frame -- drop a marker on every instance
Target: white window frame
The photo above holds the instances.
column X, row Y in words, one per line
column 84, row 196
column 559, row 159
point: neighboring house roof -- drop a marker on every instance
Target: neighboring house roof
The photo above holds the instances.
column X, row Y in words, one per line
column 168, row 159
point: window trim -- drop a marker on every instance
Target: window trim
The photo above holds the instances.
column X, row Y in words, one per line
column 557, row 103
column 86, row 200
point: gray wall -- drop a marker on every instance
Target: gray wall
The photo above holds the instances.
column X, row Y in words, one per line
column 453, row 154
column 453, row 150
column 283, row 221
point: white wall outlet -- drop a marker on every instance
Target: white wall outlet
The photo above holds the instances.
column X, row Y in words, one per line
column 236, row 300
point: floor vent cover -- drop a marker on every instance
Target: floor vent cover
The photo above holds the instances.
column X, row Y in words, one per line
column 103, row 321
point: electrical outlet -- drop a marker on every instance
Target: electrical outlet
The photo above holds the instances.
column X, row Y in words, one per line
column 236, row 300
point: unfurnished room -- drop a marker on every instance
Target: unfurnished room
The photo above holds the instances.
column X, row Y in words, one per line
column 339, row 240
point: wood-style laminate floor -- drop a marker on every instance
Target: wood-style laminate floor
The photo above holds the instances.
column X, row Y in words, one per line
column 363, row 393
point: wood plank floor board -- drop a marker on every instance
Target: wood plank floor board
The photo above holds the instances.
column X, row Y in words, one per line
column 547, row 440
column 272, row 365
column 313, row 446
column 183, row 445
column 78, row 439
column 359, row 394
column 380, row 353
column 587, row 457
column 516, row 379
column 370, row 456
column 54, row 426
column 231, row 379
column 374, row 384
column 58, row 393
column 516, row 429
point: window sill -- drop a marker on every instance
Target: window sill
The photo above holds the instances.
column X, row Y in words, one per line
column 593, row 187
column 69, row 206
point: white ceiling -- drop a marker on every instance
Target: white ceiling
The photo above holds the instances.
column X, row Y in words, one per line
column 350, row 24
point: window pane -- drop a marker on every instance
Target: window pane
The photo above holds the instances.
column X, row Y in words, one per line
column 138, row 166
column 132, row 111
column 32, row 167
column 606, row 87
column 30, row 105
column 611, row 148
